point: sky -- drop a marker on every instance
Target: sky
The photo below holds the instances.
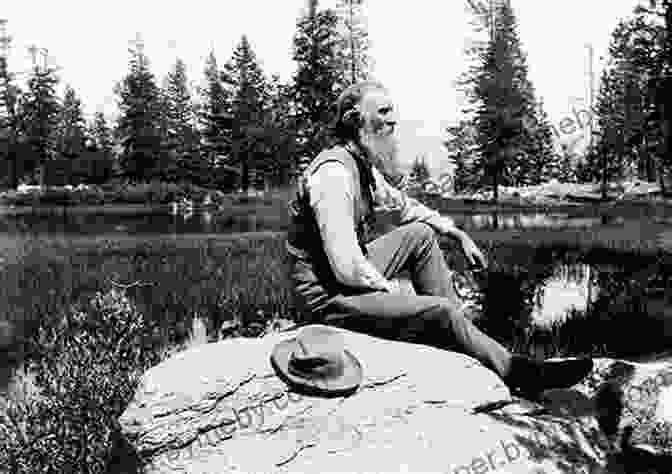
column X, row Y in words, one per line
column 417, row 49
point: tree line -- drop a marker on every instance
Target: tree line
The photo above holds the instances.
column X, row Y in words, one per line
column 237, row 126
column 505, row 138
column 240, row 124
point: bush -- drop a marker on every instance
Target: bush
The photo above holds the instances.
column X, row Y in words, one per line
column 86, row 372
column 119, row 192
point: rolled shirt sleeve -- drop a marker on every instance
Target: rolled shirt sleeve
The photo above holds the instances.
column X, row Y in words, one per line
column 411, row 209
column 331, row 190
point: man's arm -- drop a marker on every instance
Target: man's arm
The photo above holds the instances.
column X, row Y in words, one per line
column 411, row 209
column 332, row 198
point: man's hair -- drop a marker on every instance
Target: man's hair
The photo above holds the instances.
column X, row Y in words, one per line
column 347, row 119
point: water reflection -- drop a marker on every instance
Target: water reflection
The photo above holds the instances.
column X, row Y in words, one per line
column 137, row 220
column 163, row 219
column 571, row 287
column 496, row 220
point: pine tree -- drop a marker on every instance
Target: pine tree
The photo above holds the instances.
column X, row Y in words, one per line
column 101, row 133
column 214, row 115
column 249, row 101
column 462, row 147
column 662, row 81
column 568, row 162
column 504, row 98
column 419, row 170
column 475, row 52
column 178, row 130
column 10, row 123
column 280, row 134
column 319, row 76
column 354, row 43
column 40, row 110
column 138, row 124
column 72, row 126
column 537, row 161
column 637, row 57
column 606, row 160
column 181, row 116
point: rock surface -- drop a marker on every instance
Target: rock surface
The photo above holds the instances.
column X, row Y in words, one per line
column 634, row 398
column 219, row 408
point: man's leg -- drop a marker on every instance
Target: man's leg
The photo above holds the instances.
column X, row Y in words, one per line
column 433, row 316
column 414, row 247
column 433, row 320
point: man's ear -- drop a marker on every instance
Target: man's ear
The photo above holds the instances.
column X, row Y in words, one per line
column 353, row 118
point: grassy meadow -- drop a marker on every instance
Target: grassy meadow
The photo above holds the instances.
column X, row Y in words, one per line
column 88, row 315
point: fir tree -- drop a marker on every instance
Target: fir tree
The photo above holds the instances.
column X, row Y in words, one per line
column 504, row 98
column 354, row 43
column 10, row 124
column 606, row 160
column 182, row 133
column 214, row 114
column 280, row 134
column 462, row 147
column 568, row 162
column 138, row 124
column 101, row 133
column 249, row 102
column 40, row 110
column 319, row 76
column 419, row 170
column 537, row 161
column 72, row 126
column 637, row 58
column 662, row 80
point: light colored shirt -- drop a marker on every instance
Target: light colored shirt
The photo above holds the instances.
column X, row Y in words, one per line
column 332, row 196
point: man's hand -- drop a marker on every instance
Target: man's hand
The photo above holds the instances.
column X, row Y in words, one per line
column 399, row 287
column 471, row 251
column 391, row 286
column 474, row 255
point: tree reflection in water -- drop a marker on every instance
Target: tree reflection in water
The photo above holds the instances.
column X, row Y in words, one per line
column 560, row 301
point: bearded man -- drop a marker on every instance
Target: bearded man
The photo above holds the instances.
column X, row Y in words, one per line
column 342, row 278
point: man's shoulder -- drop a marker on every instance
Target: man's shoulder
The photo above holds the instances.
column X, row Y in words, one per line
column 336, row 154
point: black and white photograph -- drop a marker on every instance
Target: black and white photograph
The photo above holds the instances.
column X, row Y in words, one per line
column 336, row 236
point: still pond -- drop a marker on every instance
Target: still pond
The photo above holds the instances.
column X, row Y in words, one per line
column 558, row 284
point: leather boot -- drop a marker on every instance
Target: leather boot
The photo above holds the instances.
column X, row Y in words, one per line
column 529, row 377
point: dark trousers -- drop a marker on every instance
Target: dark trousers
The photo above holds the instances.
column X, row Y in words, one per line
column 432, row 316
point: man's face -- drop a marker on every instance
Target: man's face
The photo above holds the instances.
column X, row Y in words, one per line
column 378, row 112
column 377, row 133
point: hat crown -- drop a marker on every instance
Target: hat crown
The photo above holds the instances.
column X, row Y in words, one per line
column 315, row 362
column 319, row 353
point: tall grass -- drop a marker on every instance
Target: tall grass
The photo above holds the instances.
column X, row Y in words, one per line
column 84, row 350
column 221, row 278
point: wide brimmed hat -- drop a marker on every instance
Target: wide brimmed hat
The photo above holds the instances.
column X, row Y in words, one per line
column 316, row 363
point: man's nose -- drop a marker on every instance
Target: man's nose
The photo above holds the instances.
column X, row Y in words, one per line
column 391, row 119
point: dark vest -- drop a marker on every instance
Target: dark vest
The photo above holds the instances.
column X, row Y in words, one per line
column 303, row 239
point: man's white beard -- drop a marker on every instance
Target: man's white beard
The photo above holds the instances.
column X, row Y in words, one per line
column 383, row 149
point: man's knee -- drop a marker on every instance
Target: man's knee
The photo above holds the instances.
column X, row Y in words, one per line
column 436, row 323
column 420, row 231
column 443, row 314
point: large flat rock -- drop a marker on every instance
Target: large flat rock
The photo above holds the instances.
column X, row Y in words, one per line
column 219, row 408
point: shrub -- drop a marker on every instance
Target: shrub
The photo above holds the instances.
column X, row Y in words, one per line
column 86, row 372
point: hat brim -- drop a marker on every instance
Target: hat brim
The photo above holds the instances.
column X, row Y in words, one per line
column 347, row 383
